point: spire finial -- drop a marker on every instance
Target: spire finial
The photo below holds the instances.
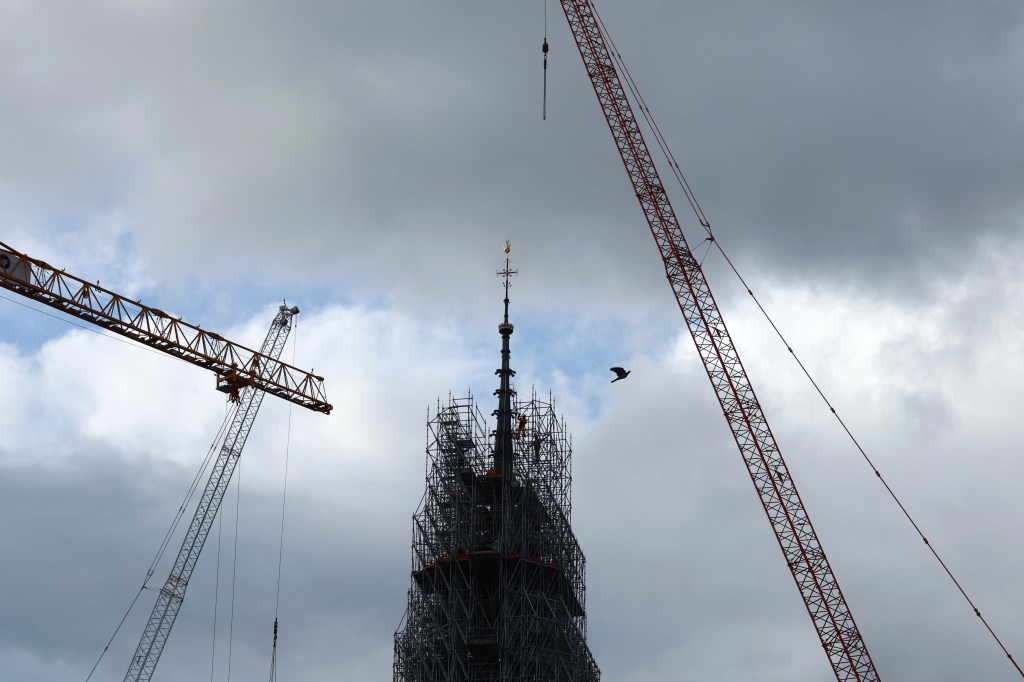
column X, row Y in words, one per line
column 503, row 449
column 506, row 273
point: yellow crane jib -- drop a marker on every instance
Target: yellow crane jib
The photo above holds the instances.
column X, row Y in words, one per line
column 236, row 366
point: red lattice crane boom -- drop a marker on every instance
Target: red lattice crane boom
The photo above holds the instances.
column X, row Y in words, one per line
column 811, row 571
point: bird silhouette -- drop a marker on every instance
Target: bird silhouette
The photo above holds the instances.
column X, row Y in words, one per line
column 619, row 373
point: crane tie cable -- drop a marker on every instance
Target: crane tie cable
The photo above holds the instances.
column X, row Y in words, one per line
column 216, row 597
column 234, row 566
column 284, row 502
column 127, row 342
column 170, row 531
column 864, row 454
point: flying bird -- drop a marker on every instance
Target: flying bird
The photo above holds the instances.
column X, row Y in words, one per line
column 619, row 373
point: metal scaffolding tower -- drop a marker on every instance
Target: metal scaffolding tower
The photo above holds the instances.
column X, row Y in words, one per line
column 497, row 587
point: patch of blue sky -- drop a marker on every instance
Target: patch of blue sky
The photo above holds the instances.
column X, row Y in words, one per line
column 580, row 344
column 231, row 297
column 27, row 324
column 104, row 255
column 556, row 352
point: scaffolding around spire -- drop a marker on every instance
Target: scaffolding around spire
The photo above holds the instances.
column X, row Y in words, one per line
column 497, row 587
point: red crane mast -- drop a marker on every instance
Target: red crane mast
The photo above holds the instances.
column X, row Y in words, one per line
column 811, row 571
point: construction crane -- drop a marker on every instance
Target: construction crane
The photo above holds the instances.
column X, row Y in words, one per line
column 244, row 374
column 811, row 571
column 234, row 364
column 172, row 594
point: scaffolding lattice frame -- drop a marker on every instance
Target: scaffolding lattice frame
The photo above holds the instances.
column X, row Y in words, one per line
column 497, row 590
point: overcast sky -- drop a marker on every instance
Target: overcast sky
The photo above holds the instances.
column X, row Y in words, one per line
column 861, row 163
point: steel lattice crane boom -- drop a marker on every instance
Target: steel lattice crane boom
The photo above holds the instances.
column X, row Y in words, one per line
column 796, row 536
column 246, row 375
column 171, row 595
column 234, row 364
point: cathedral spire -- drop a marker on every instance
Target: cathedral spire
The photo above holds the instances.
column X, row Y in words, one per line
column 497, row 591
column 503, row 450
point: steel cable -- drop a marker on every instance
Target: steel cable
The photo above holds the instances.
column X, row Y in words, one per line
column 867, row 459
column 284, row 501
column 705, row 223
column 167, row 536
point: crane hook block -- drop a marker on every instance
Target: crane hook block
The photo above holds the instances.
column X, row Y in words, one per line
column 232, row 381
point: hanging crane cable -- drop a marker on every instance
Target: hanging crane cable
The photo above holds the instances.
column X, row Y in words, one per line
column 170, row 530
column 216, row 597
column 216, row 588
column 544, row 50
column 706, row 225
column 284, row 502
column 234, row 566
column 234, row 570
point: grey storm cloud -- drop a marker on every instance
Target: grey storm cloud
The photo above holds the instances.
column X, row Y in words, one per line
column 863, row 144
column 861, row 164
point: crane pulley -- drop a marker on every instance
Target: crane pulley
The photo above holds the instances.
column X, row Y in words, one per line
column 811, row 570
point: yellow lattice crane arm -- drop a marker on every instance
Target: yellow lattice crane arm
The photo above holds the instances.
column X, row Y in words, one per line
column 236, row 366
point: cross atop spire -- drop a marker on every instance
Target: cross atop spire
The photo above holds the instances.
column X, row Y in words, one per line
column 506, row 273
column 503, row 449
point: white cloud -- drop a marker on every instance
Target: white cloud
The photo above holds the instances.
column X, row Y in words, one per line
column 368, row 160
column 681, row 562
